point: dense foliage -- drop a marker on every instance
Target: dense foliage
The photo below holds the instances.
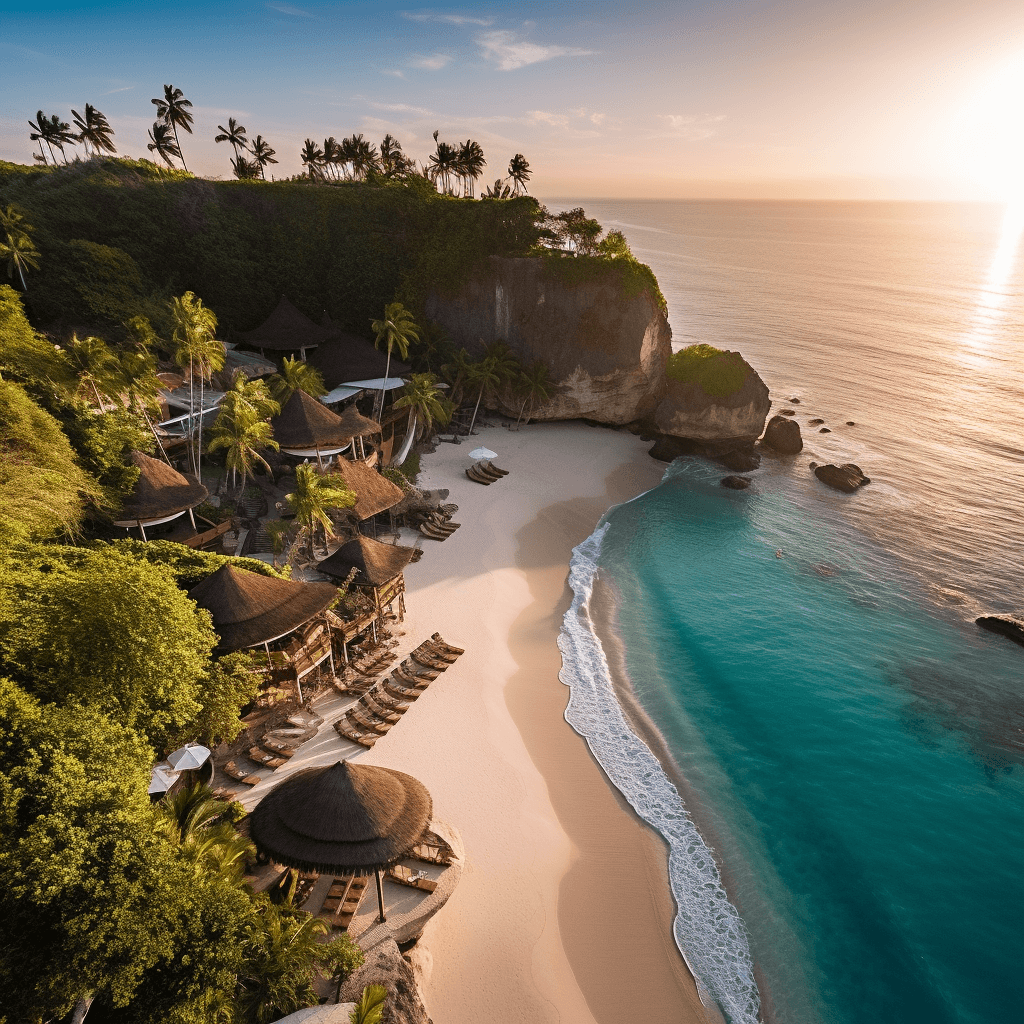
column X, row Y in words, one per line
column 718, row 373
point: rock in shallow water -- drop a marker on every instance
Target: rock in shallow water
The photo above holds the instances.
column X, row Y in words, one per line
column 824, row 430
column 783, row 435
column 1007, row 625
column 846, row 477
column 740, row 461
column 816, row 422
column 736, row 483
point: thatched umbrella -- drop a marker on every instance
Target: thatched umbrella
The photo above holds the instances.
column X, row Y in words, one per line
column 249, row 610
column 375, row 563
column 160, row 494
column 286, row 330
column 374, row 492
column 342, row 819
column 305, row 426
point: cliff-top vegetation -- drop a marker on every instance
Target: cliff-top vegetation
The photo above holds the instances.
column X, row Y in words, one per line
column 719, row 373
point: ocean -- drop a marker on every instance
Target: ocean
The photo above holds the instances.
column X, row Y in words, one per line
column 844, row 800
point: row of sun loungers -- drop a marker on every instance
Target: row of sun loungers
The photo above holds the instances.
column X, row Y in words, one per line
column 343, row 899
column 382, row 705
column 438, row 525
column 485, row 472
column 276, row 746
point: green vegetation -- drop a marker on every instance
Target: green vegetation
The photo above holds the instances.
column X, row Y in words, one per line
column 718, row 373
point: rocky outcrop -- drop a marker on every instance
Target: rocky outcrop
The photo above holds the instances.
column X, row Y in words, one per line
column 718, row 424
column 1011, row 626
column 740, row 460
column 385, row 965
column 605, row 349
column 782, row 435
column 735, row 483
column 846, row 477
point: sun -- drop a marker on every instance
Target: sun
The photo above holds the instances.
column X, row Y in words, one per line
column 987, row 133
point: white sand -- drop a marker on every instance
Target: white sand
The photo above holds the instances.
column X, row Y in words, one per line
column 563, row 912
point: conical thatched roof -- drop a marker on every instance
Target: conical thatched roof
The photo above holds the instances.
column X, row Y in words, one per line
column 343, row 818
column 286, row 330
column 248, row 609
column 160, row 491
column 374, row 493
column 346, row 357
column 306, row 423
column 358, row 424
column 377, row 563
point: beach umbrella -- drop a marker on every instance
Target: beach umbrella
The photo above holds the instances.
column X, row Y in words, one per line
column 483, row 453
column 342, row 818
column 188, row 757
column 164, row 776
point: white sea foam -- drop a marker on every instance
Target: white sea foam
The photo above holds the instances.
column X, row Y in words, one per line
column 707, row 928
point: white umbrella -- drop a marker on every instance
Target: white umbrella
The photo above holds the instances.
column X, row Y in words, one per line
column 483, row 453
column 188, row 757
column 164, row 776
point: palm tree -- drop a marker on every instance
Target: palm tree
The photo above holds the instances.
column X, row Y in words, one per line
column 498, row 367
column 312, row 158
column 54, row 132
column 244, row 168
column 41, row 133
column 519, row 172
column 247, row 397
column 234, row 133
column 396, row 330
column 190, row 819
column 442, row 163
column 470, row 165
column 332, row 157
column 364, row 157
column 392, row 159
column 136, row 380
column 17, row 248
column 173, row 110
column 94, row 364
column 314, row 496
column 295, row 376
column 262, row 154
column 94, row 130
column 534, row 384
column 277, row 976
column 370, row 1008
column 499, row 190
column 456, row 373
column 194, row 344
column 243, row 437
column 426, row 403
column 161, row 141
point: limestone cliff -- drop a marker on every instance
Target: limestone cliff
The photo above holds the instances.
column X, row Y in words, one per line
column 605, row 349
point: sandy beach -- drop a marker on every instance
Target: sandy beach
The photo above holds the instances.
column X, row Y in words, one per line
column 564, row 911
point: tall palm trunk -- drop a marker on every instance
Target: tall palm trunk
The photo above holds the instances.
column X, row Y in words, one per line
column 21, row 274
column 82, row 1008
column 199, row 442
column 387, row 370
column 472, row 422
column 522, row 408
column 177, row 142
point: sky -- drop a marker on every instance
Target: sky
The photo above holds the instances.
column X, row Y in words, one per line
column 844, row 99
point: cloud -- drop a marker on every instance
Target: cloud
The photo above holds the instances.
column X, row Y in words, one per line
column 446, row 19
column 691, row 127
column 124, row 88
column 403, row 108
column 597, row 119
column 392, row 71
column 546, row 117
column 432, row 63
column 289, row 9
column 510, row 53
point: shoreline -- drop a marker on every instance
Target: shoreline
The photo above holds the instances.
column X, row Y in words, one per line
column 564, row 911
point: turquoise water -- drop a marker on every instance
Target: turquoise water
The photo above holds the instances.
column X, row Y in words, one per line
column 851, row 755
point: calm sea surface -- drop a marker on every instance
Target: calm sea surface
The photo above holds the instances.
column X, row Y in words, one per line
column 852, row 745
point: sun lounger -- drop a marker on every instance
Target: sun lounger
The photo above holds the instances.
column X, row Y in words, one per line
column 492, row 468
column 428, row 660
column 305, row 720
column 389, row 713
column 388, row 700
column 474, row 474
column 414, row 879
column 435, row 650
column 267, row 760
column 440, row 641
column 343, row 899
column 398, row 689
column 240, row 774
column 432, row 532
column 364, row 737
column 487, row 474
column 361, row 715
column 432, row 849
column 408, row 677
column 284, row 749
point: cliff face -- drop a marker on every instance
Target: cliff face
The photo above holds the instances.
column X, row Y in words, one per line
column 606, row 350
column 736, row 420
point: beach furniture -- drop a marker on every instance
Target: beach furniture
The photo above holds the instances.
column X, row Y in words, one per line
column 409, row 677
column 305, row 720
column 267, row 760
column 225, row 794
column 432, row 849
column 277, row 747
column 343, row 899
column 240, row 774
column 396, row 688
column 361, row 735
column 434, row 532
column 482, row 469
column 428, row 660
column 474, row 474
column 441, row 642
column 361, row 715
column 388, row 700
column 434, row 650
column 490, row 467
column 389, row 713
column 414, row 879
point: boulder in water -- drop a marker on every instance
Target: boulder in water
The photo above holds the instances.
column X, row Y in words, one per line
column 850, row 423
column 787, row 412
column 824, row 430
column 735, row 483
column 783, row 436
column 816, row 422
column 846, row 478
column 740, row 460
column 795, row 401
column 1011, row 626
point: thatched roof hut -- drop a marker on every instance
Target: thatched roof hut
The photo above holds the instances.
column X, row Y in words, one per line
column 374, row 493
column 286, row 330
column 249, row 610
column 358, row 424
column 160, row 493
column 345, row 357
column 342, row 819
column 376, row 563
column 304, row 424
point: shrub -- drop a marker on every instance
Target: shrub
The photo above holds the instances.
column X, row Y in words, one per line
column 718, row 373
